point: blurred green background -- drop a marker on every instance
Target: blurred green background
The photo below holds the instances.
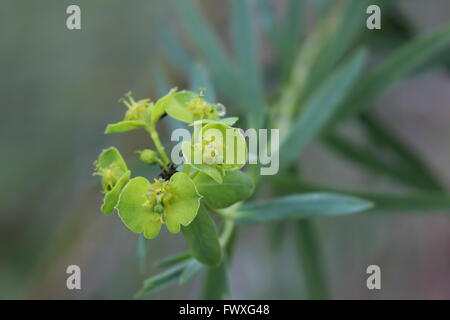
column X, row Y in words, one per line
column 59, row 89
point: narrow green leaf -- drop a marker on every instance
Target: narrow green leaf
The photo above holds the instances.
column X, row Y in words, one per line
column 368, row 160
column 309, row 253
column 383, row 137
column 236, row 186
column 323, row 5
column 292, row 28
column 207, row 42
column 202, row 237
column 404, row 61
column 420, row 202
column 343, row 37
column 300, row 206
column 267, row 19
column 397, row 28
column 414, row 202
column 319, row 108
column 161, row 281
column 192, row 269
column 299, row 72
column 245, row 49
column 172, row 260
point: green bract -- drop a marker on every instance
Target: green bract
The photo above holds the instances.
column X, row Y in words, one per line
column 188, row 107
column 114, row 174
column 145, row 206
column 236, row 186
column 216, row 148
column 160, row 106
column 137, row 115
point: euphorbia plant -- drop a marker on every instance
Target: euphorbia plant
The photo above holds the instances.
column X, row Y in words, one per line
column 209, row 181
column 179, row 196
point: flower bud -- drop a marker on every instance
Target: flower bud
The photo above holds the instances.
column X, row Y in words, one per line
column 158, row 208
column 148, row 156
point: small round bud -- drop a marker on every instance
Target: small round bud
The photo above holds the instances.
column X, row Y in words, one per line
column 148, row 156
column 158, row 208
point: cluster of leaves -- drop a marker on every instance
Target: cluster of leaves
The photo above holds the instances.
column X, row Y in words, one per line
column 320, row 81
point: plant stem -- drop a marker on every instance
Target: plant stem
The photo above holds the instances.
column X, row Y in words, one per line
column 220, row 213
column 155, row 138
column 227, row 231
column 309, row 253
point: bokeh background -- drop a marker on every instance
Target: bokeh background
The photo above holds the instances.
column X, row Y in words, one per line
column 59, row 89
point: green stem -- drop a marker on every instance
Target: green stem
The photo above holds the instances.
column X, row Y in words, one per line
column 309, row 252
column 155, row 138
column 227, row 232
column 220, row 213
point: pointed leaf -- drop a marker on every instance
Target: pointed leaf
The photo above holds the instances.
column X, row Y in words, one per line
column 202, row 237
column 162, row 280
column 300, row 206
column 404, row 61
column 172, row 260
column 321, row 106
column 208, row 43
column 192, row 269
column 246, row 53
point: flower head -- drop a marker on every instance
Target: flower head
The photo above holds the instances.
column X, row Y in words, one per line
column 136, row 110
column 159, row 194
column 145, row 206
column 114, row 174
column 110, row 175
column 203, row 110
column 216, row 148
column 188, row 106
